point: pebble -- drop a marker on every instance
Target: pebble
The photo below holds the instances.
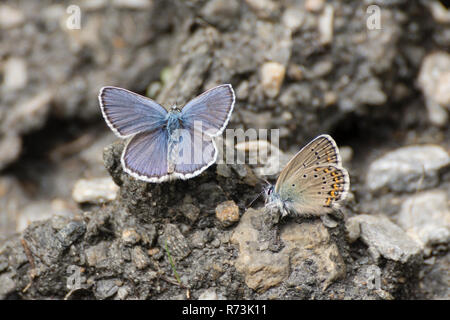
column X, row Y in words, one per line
column 426, row 217
column 140, row 258
column 326, row 25
column 71, row 232
column 133, row 4
column 10, row 148
column 293, row 18
column 95, row 190
column 263, row 8
column 175, row 242
column 384, row 238
column 272, row 76
column 10, row 17
column 106, row 288
column 434, row 80
column 227, row 213
column 314, row 5
column 15, row 74
column 130, row 236
column 408, row 168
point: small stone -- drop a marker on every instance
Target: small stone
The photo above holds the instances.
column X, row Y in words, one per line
column 130, row 236
column 140, row 259
column 408, row 168
column 346, row 153
column 220, row 12
column 326, row 25
column 439, row 12
column 122, row 293
column 434, row 80
column 97, row 254
column 314, row 5
column 14, row 74
column 263, row 8
column 174, row 241
column 209, row 294
column 199, row 239
column 352, row 229
column 10, row 17
column 10, row 148
column 293, row 18
column 7, row 285
column 426, row 217
column 227, row 213
column 71, row 232
column 386, row 239
column 328, row 221
column 106, row 288
column 96, row 190
column 133, row 4
column 272, row 76
column 190, row 211
column 295, row 72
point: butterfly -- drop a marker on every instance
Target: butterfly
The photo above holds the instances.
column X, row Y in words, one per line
column 313, row 181
column 167, row 145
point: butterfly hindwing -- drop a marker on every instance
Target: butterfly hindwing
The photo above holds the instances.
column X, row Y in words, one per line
column 321, row 150
column 316, row 189
column 145, row 156
column 128, row 113
column 193, row 154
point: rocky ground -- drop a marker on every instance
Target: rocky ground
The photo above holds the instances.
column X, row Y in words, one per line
column 73, row 225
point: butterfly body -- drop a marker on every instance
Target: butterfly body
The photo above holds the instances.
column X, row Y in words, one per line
column 312, row 183
column 166, row 145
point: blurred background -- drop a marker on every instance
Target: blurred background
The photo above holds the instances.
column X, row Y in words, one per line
column 373, row 74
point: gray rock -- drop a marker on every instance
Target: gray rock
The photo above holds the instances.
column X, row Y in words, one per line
column 386, row 239
column 7, row 285
column 426, row 217
column 408, row 168
column 106, row 288
column 174, row 241
column 95, row 190
column 71, row 232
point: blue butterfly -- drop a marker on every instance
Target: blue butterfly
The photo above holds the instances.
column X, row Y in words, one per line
column 166, row 145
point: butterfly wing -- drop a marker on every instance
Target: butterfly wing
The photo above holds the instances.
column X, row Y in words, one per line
column 192, row 154
column 128, row 113
column 145, row 156
column 212, row 108
column 321, row 150
column 316, row 189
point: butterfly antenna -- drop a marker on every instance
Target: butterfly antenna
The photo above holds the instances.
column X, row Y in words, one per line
column 254, row 200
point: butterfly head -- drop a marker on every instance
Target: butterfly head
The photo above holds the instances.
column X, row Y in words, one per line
column 175, row 109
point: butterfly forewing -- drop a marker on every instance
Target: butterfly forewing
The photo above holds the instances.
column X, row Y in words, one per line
column 128, row 113
column 212, row 109
column 316, row 189
column 322, row 150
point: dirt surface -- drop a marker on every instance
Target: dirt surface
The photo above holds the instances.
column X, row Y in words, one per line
column 73, row 225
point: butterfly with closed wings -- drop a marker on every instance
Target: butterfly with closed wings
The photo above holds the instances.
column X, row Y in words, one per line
column 312, row 183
